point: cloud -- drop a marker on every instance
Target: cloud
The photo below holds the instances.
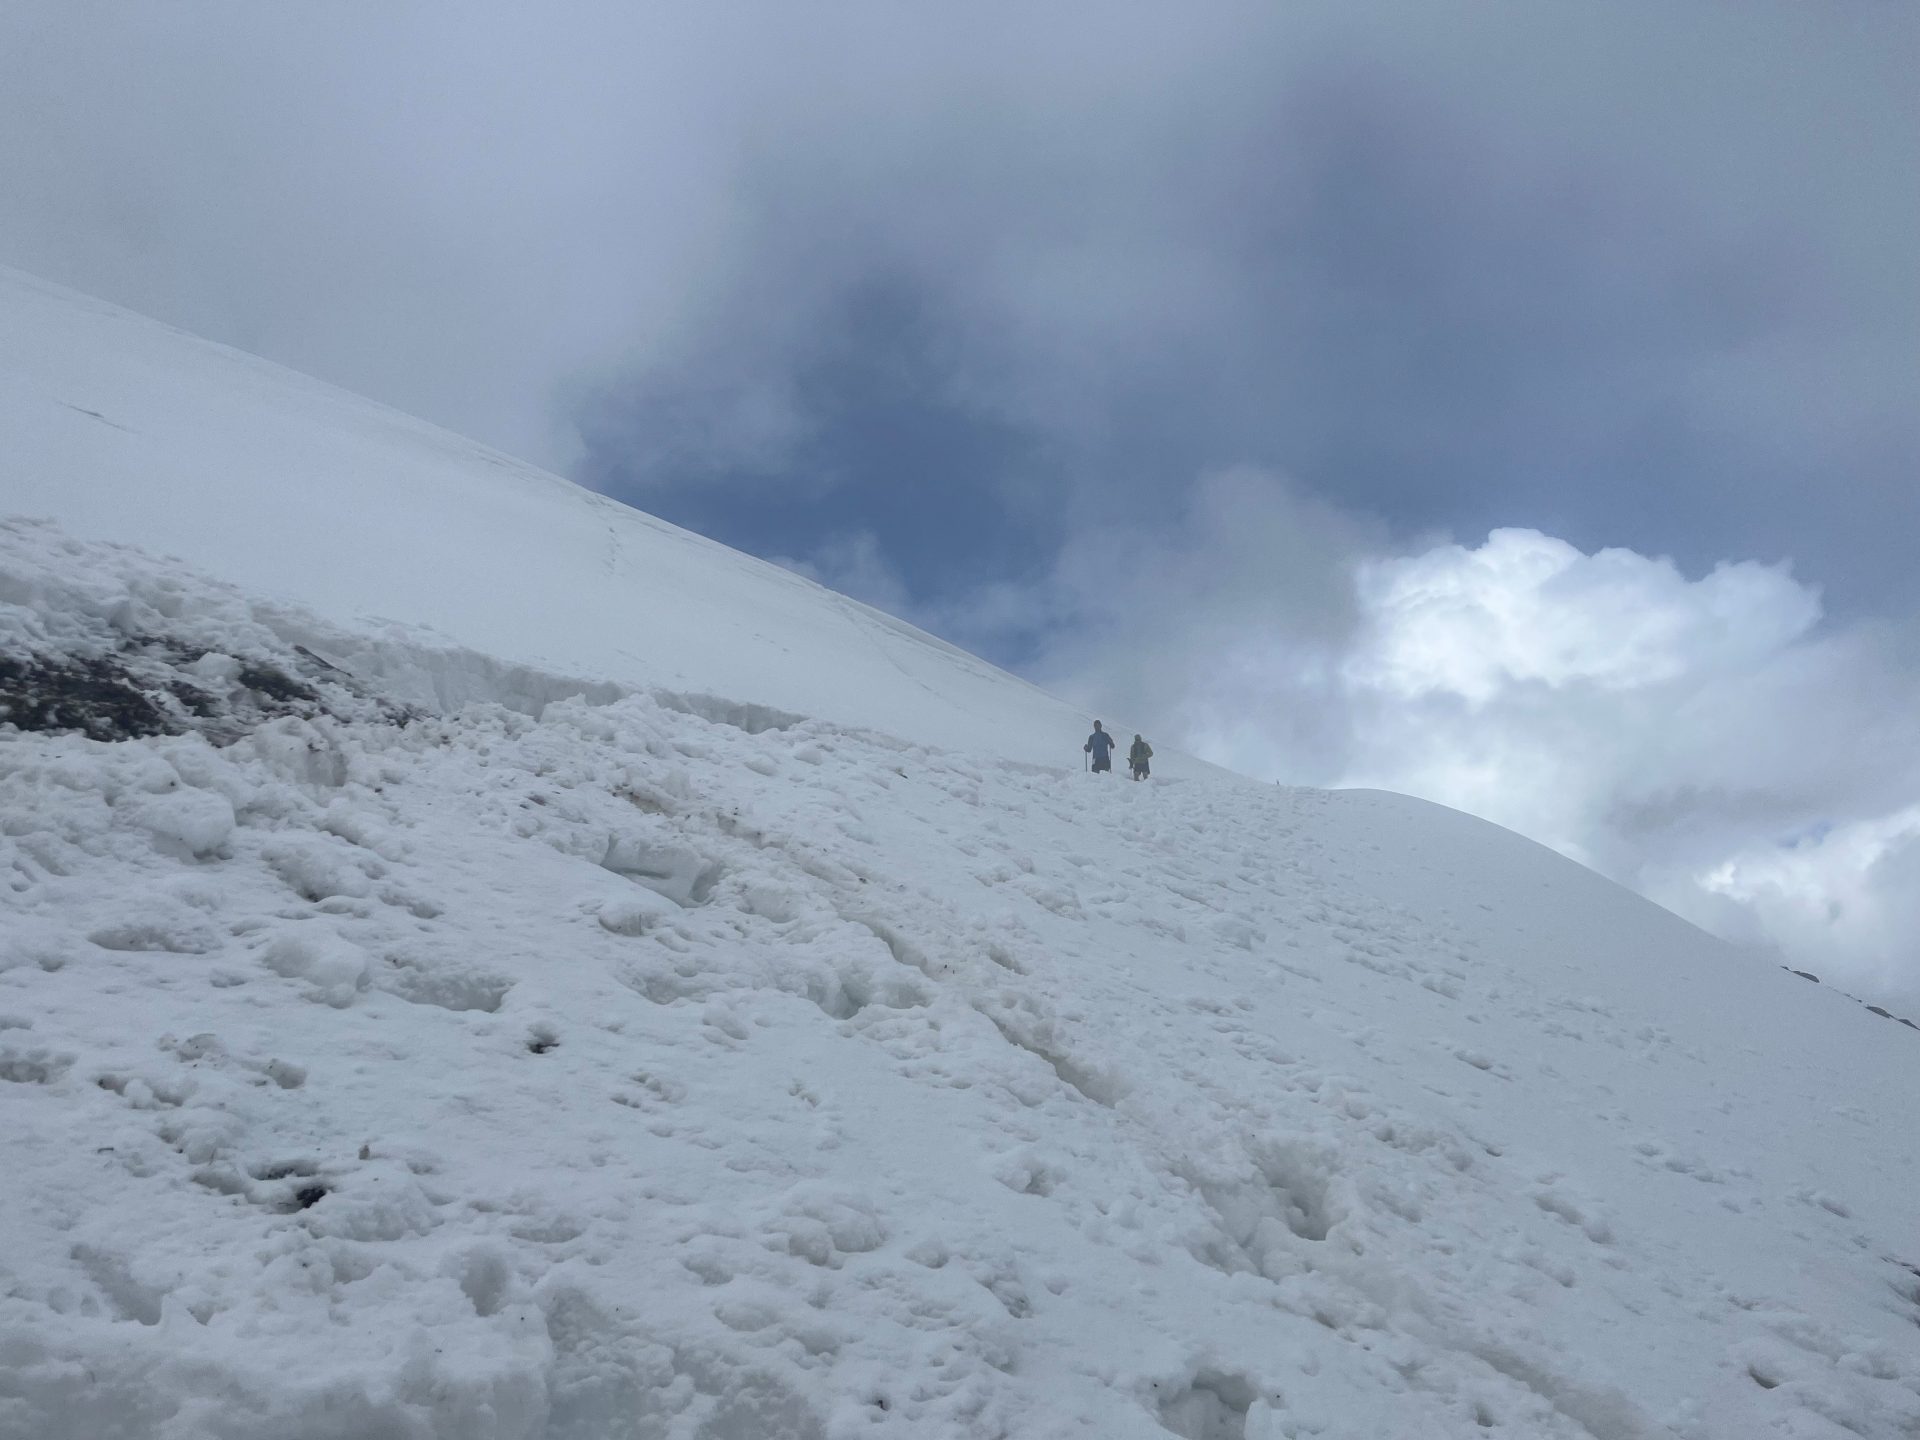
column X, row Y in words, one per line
column 1222, row 621
column 1629, row 274
column 1526, row 609
column 1595, row 288
column 452, row 209
column 1849, row 896
column 1713, row 741
column 853, row 565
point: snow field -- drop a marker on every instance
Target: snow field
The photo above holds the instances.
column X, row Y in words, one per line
column 648, row 1065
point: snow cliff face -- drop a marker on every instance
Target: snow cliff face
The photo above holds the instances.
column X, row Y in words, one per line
column 403, row 1037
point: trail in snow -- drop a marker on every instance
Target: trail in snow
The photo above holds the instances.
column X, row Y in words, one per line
column 460, row 1051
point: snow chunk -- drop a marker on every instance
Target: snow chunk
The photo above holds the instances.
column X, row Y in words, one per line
column 676, row 871
column 335, row 970
column 637, row 913
column 193, row 823
column 318, row 870
column 154, row 920
column 824, row 1226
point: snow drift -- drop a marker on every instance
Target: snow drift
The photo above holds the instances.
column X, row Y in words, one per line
column 719, row 1027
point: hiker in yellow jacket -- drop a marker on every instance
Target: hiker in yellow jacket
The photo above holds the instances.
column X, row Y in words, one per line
column 1137, row 756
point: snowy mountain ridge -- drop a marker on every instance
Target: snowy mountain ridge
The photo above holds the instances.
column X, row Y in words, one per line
column 122, row 429
column 454, row 1032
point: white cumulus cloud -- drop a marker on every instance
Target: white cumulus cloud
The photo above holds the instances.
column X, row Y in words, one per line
column 1525, row 608
column 1714, row 740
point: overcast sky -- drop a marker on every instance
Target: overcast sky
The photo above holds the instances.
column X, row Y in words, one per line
column 1517, row 404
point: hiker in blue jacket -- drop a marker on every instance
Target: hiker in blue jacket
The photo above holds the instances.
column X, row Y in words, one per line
column 1100, row 746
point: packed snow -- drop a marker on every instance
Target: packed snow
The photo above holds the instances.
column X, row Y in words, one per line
column 546, row 1020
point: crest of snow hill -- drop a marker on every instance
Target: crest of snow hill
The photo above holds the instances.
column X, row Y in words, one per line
column 400, row 1040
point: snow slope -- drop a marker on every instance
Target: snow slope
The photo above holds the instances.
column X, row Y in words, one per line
column 401, row 1038
column 124, row 429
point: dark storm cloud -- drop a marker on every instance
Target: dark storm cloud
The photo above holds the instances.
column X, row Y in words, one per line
column 868, row 430
column 1638, row 273
column 1430, row 282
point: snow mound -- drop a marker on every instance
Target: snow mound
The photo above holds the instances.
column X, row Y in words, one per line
column 432, row 1045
